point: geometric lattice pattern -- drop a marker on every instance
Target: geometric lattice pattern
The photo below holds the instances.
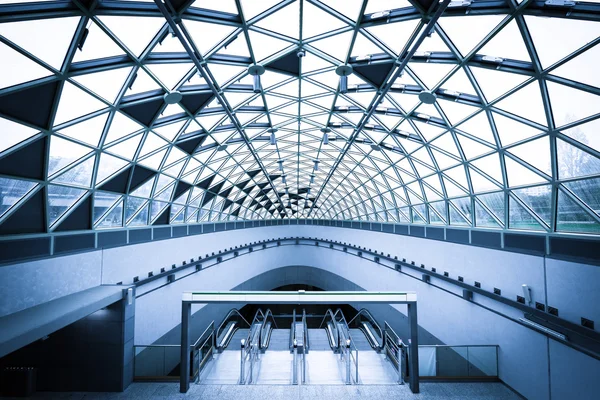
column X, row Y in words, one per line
column 88, row 142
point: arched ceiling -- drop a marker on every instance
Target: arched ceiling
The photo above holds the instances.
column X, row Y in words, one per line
column 87, row 140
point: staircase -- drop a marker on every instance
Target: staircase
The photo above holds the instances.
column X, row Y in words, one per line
column 360, row 340
column 318, row 339
column 280, row 340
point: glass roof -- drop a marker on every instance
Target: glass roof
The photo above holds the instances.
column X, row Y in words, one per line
column 508, row 139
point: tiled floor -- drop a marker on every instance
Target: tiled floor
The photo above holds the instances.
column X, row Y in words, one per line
column 438, row 391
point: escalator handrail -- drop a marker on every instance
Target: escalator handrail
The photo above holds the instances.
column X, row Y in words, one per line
column 364, row 311
column 262, row 330
column 229, row 314
column 208, row 328
column 388, row 329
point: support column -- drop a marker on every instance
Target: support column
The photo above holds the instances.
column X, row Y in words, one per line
column 414, row 347
column 184, row 379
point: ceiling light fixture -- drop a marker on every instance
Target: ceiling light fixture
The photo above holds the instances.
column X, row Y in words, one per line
column 256, row 71
column 173, row 97
column 343, row 71
column 325, row 135
column 272, row 138
column 427, row 97
column 316, row 164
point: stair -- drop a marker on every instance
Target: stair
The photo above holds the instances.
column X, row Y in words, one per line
column 360, row 340
column 280, row 340
column 318, row 339
column 235, row 342
column 224, row 369
column 274, row 367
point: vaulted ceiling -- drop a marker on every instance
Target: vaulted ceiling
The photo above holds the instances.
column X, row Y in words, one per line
column 128, row 113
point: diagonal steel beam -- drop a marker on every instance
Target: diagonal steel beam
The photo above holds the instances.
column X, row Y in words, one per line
column 402, row 62
column 200, row 64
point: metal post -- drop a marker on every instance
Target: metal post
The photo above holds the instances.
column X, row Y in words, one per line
column 251, row 362
column 413, row 359
column 348, row 362
column 304, row 364
column 184, row 367
column 242, row 360
column 295, row 365
column 400, row 364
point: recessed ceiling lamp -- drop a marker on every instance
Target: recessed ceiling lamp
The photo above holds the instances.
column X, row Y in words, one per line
column 427, row 97
column 173, row 97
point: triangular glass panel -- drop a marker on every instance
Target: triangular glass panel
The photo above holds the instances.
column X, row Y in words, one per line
column 551, row 45
column 394, row 35
column 170, row 74
column 508, row 43
column 135, row 32
column 74, row 103
column 494, row 83
column 350, row 8
column 479, row 126
column 238, row 47
column 145, row 190
column 60, row 199
column 112, row 219
column 480, row 183
column 16, row 68
column 569, row 105
column 336, row 46
column 120, row 127
column 143, row 83
column 252, row 8
column 285, row 21
column 106, row 84
column 134, row 204
column 537, row 198
column 64, row 152
column 571, row 217
column 574, row 162
column 466, row 39
column 152, row 143
column 587, row 191
column 156, row 207
column 12, row 133
column 457, row 218
column 317, row 21
column 511, row 131
column 48, row 39
column 88, row 131
column 581, row 68
column 97, row 45
column 536, row 153
column 12, row 191
column 495, row 203
column 81, row 174
column 526, row 103
column 483, row 218
column 206, row 35
column 264, row 46
column 126, row 148
column 228, row 6
column 430, row 73
column 518, row 175
column 154, row 160
column 520, row 218
column 107, row 166
column 584, row 134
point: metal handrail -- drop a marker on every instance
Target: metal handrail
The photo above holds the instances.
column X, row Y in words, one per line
column 364, row 311
column 212, row 324
column 229, row 314
column 305, row 341
column 264, row 326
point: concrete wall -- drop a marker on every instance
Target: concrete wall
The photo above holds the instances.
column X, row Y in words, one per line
column 524, row 355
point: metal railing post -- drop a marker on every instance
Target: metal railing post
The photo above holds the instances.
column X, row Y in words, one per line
column 251, row 361
column 348, row 362
column 400, row 366
column 242, row 359
column 295, row 365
